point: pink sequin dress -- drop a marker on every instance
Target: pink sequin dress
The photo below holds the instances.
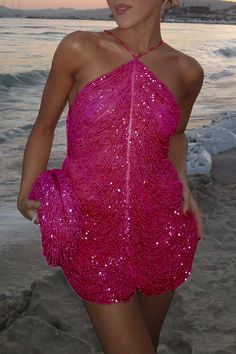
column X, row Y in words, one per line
column 112, row 216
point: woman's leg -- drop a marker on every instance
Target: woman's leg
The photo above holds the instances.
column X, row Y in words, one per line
column 120, row 327
column 154, row 309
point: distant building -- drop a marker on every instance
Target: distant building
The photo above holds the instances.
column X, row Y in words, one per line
column 198, row 9
column 230, row 14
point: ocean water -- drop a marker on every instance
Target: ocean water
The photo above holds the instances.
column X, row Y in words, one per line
column 26, row 50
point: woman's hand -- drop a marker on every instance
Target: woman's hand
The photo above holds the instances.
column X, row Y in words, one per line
column 190, row 205
column 28, row 208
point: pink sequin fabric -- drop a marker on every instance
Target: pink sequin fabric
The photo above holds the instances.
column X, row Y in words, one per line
column 119, row 195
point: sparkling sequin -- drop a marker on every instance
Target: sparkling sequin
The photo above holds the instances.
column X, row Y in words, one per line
column 112, row 216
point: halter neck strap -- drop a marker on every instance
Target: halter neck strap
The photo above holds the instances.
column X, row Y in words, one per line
column 131, row 50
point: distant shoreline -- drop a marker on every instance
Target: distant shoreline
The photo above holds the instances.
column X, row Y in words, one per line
column 106, row 19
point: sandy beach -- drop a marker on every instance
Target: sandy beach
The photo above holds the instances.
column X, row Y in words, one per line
column 40, row 313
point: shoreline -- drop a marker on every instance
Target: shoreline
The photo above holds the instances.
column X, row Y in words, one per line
column 108, row 19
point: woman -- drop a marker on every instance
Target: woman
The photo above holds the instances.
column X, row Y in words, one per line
column 130, row 96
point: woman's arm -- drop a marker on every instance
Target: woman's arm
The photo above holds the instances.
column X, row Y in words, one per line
column 192, row 80
column 54, row 98
column 178, row 155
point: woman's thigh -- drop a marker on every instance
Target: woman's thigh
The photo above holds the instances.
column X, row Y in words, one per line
column 120, row 327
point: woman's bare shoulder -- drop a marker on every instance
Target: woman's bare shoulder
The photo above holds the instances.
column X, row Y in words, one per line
column 78, row 41
column 74, row 49
column 189, row 68
column 186, row 63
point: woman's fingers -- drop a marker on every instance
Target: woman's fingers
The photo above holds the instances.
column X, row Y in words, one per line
column 199, row 223
column 191, row 205
column 186, row 200
column 29, row 208
column 31, row 204
column 35, row 218
column 198, row 216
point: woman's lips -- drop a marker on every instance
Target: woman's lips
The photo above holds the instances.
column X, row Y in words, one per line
column 122, row 9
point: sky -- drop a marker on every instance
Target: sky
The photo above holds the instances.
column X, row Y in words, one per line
column 39, row 4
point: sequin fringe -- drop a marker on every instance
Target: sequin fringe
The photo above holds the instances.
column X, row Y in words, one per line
column 59, row 215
